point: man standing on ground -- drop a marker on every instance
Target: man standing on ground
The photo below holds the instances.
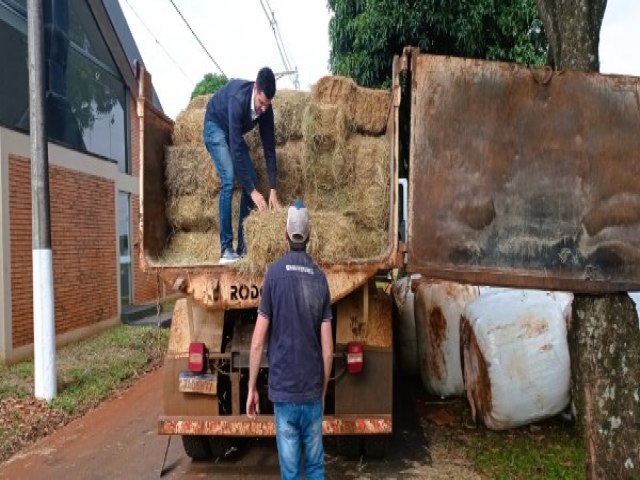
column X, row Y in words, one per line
column 295, row 315
column 232, row 111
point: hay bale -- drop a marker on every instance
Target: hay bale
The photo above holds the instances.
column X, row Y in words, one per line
column 288, row 111
column 191, row 248
column 290, row 180
column 367, row 109
column 199, row 212
column 369, row 157
column 330, row 240
column 191, row 213
column 325, row 128
column 189, row 169
column 200, row 101
column 188, row 127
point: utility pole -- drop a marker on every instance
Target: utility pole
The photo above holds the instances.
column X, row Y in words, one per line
column 44, row 330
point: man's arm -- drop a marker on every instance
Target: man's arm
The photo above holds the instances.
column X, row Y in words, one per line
column 266, row 126
column 255, row 356
column 326, row 338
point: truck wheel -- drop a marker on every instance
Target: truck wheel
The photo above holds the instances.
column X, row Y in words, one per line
column 350, row 446
column 221, row 447
column 377, row 446
column 197, row 447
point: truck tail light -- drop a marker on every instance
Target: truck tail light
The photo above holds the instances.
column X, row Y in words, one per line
column 197, row 356
column 355, row 357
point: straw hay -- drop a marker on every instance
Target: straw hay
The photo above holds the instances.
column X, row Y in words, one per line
column 324, row 128
column 290, row 180
column 199, row 212
column 370, row 182
column 367, row 109
column 332, row 239
column 288, row 110
column 322, row 157
column 198, row 102
column 187, row 248
column 188, row 126
column 189, row 169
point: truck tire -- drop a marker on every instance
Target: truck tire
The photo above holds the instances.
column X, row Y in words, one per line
column 196, row 447
column 376, row 446
column 350, row 446
column 221, row 447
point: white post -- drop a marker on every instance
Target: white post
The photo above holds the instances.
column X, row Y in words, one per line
column 44, row 330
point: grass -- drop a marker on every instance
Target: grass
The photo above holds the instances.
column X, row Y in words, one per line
column 87, row 373
column 538, row 452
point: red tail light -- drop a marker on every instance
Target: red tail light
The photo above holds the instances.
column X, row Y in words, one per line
column 355, row 357
column 197, row 356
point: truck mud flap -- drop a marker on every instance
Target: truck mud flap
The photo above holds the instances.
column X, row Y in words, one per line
column 264, row 425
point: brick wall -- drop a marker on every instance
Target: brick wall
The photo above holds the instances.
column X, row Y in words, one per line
column 83, row 237
column 144, row 284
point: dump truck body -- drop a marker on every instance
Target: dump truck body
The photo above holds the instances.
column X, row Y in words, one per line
column 514, row 180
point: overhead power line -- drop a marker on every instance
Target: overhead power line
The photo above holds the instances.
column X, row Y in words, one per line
column 197, row 38
column 159, row 44
column 268, row 11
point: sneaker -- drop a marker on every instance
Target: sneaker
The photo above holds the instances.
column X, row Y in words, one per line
column 228, row 256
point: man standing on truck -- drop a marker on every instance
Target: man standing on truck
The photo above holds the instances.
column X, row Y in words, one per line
column 232, row 111
column 295, row 316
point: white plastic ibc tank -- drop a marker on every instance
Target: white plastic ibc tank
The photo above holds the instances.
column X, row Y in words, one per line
column 406, row 346
column 438, row 306
column 515, row 356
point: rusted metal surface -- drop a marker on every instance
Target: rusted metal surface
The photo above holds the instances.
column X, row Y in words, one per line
column 524, row 179
column 365, row 316
column 263, row 426
column 476, row 375
column 193, row 323
column 180, row 403
column 206, row 384
column 220, row 287
column 154, row 134
column 370, row 391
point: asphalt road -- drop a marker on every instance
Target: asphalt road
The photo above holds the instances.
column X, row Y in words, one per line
column 118, row 440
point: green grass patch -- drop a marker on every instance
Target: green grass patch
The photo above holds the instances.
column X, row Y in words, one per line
column 538, row 452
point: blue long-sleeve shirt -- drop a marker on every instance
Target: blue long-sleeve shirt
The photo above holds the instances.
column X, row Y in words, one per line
column 230, row 108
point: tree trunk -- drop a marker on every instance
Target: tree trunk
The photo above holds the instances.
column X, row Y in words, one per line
column 604, row 339
column 604, row 344
column 573, row 31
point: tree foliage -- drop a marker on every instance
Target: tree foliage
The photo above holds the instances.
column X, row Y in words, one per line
column 365, row 34
column 210, row 83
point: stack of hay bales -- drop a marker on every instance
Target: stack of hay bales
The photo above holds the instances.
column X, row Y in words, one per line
column 331, row 151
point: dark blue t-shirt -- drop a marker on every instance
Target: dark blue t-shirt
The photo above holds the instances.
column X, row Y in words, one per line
column 296, row 300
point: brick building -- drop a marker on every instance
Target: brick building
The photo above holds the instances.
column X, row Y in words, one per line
column 92, row 128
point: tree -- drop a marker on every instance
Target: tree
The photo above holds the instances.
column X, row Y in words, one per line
column 210, row 83
column 365, row 35
column 604, row 339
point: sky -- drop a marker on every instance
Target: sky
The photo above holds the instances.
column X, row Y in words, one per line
column 238, row 36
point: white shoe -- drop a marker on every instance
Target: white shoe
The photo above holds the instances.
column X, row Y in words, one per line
column 228, row 256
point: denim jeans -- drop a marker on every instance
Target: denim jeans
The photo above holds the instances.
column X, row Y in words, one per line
column 216, row 141
column 299, row 428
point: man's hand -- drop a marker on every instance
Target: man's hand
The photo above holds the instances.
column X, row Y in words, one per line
column 258, row 199
column 273, row 199
column 253, row 403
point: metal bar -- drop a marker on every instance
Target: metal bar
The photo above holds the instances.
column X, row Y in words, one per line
column 263, row 426
column 235, row 393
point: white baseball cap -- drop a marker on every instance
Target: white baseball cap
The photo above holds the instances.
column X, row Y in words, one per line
column 298, row 226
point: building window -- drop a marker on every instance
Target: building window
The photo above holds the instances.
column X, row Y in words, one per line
column 86, row 98
column 124, row 247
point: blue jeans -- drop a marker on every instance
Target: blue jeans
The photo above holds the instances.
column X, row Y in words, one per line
column 298, row 427
column 216, row 141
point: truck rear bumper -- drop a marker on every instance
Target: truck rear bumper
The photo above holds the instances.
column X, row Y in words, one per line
column 264, row 426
